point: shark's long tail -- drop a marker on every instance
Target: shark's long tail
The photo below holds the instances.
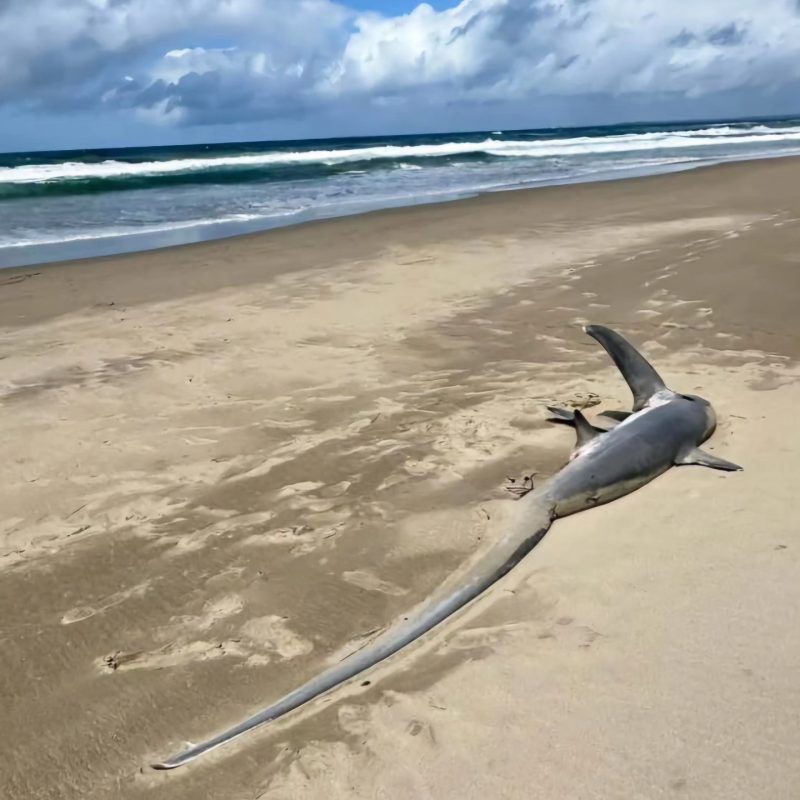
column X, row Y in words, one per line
column 533, row 517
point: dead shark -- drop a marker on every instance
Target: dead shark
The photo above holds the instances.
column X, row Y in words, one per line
column 664, row 429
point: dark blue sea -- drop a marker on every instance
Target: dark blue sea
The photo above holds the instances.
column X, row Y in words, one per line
column 72, row 204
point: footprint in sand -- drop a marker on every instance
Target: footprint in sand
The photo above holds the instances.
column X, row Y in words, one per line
column 171, row 655
column 199, row 538
column 81, row 613
column 179, row 649
column 420, row 468
column 271, row 633
column 214, row 611
column 567, row 633
column 392, row 480
column 371, row 583
column 336, row 490
column 418, row 727
column 490, row 636
column 299, row 488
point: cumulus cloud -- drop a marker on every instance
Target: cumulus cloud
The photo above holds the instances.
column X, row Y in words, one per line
column 517, row 47
column 66, row 52
column 203, row 85
column 211, row 61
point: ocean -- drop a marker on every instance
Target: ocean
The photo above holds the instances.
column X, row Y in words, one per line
column 81, row 203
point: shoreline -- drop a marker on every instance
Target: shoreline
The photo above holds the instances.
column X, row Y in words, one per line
column 192, row 268
column 223, row 466
column 185, row 235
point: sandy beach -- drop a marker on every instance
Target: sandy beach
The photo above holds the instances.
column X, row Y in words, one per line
column 226, row 465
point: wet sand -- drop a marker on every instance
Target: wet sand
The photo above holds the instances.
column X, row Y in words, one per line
column 226, row 465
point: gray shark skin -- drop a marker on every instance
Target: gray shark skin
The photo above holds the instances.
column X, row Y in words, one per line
column 664, row 429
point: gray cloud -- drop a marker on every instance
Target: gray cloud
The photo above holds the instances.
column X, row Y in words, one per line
column 205, row 62
column 85, row 47
column 729, row 35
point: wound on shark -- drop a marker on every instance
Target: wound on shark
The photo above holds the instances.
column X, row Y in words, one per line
column 627, row 451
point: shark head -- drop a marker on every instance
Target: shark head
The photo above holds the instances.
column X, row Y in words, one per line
column 644, row 382
column 708, row 412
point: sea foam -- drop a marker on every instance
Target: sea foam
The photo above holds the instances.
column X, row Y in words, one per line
column 513, row 148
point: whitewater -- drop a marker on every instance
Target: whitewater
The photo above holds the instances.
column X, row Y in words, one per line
column 71, row 204
column 583, row 145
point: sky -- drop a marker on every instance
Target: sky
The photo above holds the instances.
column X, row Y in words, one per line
column 111, row 73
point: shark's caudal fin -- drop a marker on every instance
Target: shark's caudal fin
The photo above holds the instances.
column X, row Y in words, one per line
column 534, row 517
column 643, row 380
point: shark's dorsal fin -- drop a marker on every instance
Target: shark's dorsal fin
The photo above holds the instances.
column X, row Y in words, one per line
column 643, row 380
column 584, row 429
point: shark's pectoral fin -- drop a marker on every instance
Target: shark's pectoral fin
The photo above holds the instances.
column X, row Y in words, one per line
column 561, row 415
column 584, row 429
column 703, row 459
column 566, row 416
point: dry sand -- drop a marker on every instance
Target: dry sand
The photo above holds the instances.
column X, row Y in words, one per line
column 224, row 465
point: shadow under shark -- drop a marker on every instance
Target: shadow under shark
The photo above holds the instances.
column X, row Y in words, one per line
column 663, row 430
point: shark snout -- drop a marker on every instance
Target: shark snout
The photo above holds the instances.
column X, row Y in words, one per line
column 708, row 412
column 711, row 419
